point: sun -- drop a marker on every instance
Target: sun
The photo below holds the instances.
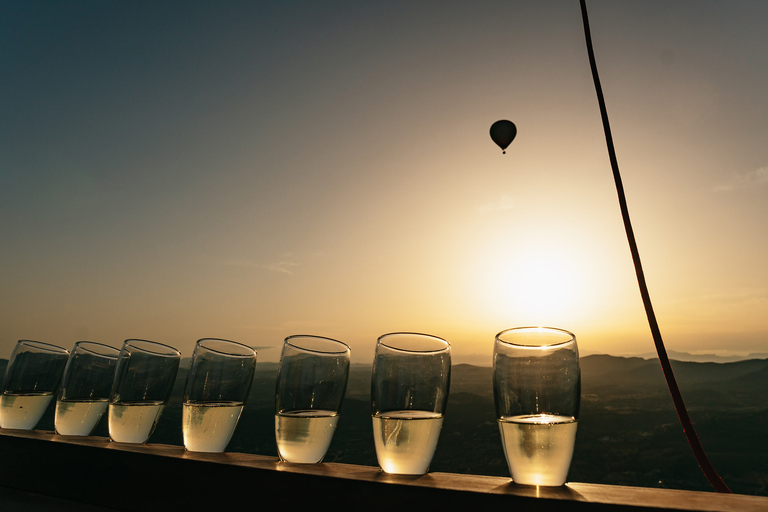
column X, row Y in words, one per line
column 541, row 283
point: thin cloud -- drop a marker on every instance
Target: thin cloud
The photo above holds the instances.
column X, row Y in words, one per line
column 504, row 202
column 283, row 266
column 738, row 295
column 758, row 177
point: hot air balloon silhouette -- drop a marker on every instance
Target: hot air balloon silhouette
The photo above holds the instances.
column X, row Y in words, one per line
column 503, row 133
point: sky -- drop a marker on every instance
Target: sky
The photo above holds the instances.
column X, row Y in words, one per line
column 174, row 170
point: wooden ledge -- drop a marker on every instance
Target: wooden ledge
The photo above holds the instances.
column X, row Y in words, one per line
column 149, row 477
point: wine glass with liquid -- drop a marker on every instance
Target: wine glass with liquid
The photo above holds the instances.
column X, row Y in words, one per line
column 311, row 383
column 409, row 392
column 218, row 384
column 537, row 390
column 144, row 378
column 85, row 388
column 31, row 379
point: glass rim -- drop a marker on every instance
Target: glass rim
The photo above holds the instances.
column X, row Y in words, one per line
column 251, row 352
column 43, row 346
column 445, row 344
column 290, row 340
column 542, row 329
column 138, row 345
column 86, row 344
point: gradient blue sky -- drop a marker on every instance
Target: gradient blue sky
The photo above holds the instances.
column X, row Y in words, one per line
column 252, row 170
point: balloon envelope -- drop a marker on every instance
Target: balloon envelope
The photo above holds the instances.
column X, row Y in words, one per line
column 503, row 133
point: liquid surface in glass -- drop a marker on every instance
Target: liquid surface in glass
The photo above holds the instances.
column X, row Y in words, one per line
column 304, row 436
column 78, row 417
column 208, row 426
column 406, row 440
column 133, row 422
column 23, row 411
column 538, row 448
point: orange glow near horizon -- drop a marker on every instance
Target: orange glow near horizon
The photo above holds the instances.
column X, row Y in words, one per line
column 551, row 277
column 542, row 282
column 324, row 171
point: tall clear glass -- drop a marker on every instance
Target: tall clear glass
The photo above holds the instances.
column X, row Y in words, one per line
column 311, row 383
column 31, row 379
column 85, row 388
column 409, row 392
column 537, row 390
column 144, row 377
column 219, row 380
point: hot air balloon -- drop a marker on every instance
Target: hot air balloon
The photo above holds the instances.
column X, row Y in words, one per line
column 503, row 133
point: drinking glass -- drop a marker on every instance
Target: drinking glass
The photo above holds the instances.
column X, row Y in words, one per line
column 218, row 383
column 85, row 388
column 537, row 390
column 409, row 392
column 144, row 377
column 31, row 378
column 311, row 382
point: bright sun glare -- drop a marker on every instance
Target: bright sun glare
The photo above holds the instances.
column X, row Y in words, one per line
column 539, row 284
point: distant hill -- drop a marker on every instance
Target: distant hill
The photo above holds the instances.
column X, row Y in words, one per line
column 598, row 372
column 705, row 358
column 600, row 365
column 620, row 375
column 755, row 380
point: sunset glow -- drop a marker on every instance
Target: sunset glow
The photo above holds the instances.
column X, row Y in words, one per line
column 544, row 283
column 253, row 171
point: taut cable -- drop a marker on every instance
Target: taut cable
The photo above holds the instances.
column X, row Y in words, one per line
column 682, row 413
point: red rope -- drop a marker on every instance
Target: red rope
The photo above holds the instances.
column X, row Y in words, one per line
column 682, row 413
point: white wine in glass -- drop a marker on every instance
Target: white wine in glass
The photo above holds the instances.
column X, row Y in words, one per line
column 218, row 384
column 310, row 388
column 85, row 388
column 409, row 392
column 144, row 377
column 537, row 386
column 30, row 383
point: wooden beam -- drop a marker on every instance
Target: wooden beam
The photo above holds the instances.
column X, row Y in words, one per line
column 150, row 477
